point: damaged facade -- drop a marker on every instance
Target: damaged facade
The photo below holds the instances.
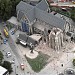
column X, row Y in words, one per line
column 56, row 39
column 36, row 19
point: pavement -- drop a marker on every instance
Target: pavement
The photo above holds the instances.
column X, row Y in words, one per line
column 32, row 55
column 54, row 67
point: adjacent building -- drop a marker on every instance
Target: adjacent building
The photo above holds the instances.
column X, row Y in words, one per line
column 3, row 71
column 27, row 40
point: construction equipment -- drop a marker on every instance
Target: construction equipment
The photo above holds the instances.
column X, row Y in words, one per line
column 6, row 33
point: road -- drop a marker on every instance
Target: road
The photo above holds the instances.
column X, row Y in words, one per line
column 14, row 49
column 10, row 47
column 17, row 49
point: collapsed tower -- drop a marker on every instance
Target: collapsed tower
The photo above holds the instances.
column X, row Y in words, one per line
column 56, row 39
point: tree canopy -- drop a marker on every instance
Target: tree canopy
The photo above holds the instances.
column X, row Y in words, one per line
column 73, row 62
column 8, row 66
column 1, row 57
column 8, row 8
column 5, row 64
column 70, row 11
column 73, row 13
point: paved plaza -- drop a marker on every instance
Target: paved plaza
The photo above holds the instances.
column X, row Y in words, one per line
column 54, row 66
column 64, row 56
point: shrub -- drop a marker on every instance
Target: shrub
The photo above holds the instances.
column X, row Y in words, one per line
column 73, row 62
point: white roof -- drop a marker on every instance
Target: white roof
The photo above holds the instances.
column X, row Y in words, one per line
column 2, row 70
column 73, row 5
column 35, row 37
column 22, row 42
column 13, row 20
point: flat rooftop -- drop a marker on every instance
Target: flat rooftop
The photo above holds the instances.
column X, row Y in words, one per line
column 36, row 37
column 66, row 4
column 2, row 70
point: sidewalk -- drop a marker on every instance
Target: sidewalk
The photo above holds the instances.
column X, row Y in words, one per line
column 22, row 51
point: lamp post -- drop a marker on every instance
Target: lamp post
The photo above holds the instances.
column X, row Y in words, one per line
column 15, row 69
column 31, row 47
column 67, row 56
column 54, row 66
column 14, row 65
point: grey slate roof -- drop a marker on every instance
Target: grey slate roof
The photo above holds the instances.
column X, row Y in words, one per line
column 49, row 18
column 23, row 37
column 31, row 15
column 28, row 10
column 58, row 15
column 39, row 12
column 27, row 39
column 69, row 20
column 31, row 41
column 20, row 15
column 42, row 5
column 25, row 9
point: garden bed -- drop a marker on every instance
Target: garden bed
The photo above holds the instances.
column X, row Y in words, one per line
column 39, row 62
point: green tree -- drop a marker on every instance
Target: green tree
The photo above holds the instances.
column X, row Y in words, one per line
column 72, row 11
column 5, row 9
column 73, row 62
column 8, row 8
column 14, row 4
column 1, row 57
column 8, row 66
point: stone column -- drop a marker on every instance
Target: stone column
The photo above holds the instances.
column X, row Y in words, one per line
column 42, row 38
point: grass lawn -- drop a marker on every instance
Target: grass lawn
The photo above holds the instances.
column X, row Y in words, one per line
column 39, row 62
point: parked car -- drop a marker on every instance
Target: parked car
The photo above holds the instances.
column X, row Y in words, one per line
column 12, row 62
column 69, row 72
column 12, row 32
column 5, row 40
column 22, row 66
column 8, row 54
column 23, row 43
